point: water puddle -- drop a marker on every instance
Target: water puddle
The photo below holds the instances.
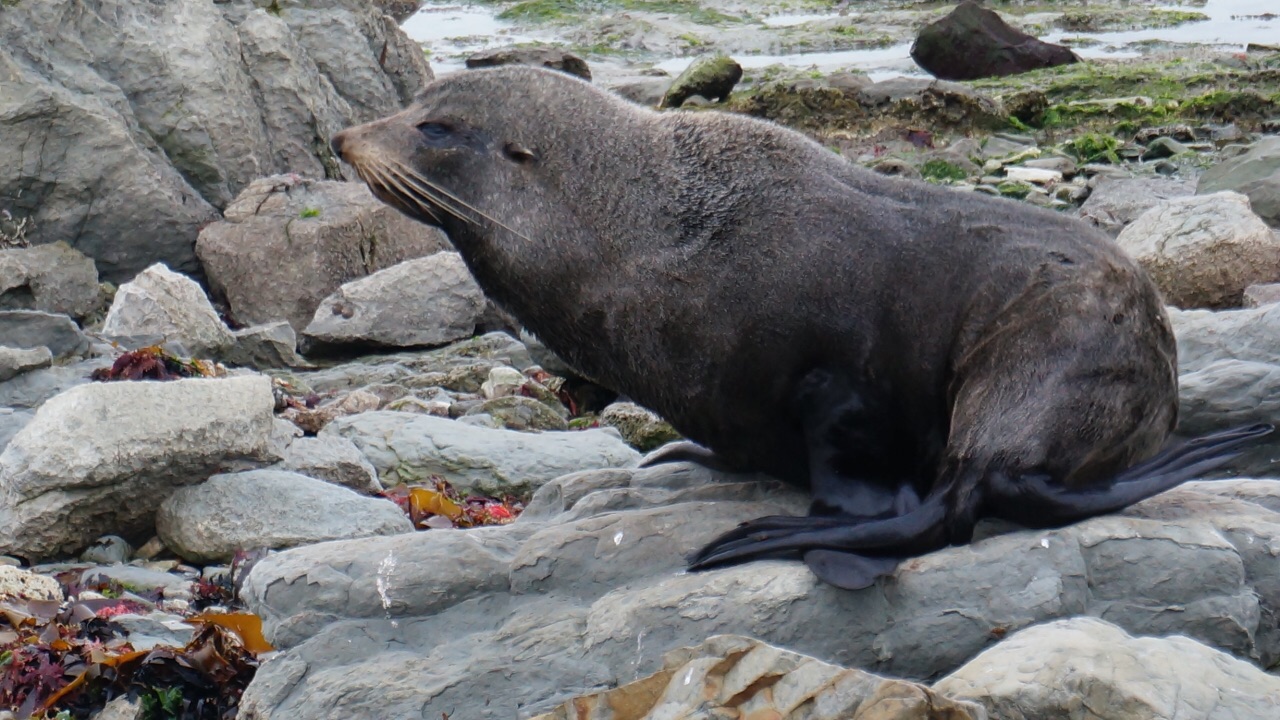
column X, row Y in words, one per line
column 878, row 63
column 452, row 32
column 1231, row 24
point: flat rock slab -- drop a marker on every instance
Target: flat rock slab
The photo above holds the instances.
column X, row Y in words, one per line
column 100, row 458
column 272, row 509
column 1085, row 667
column 405, row 447
column 587, row 591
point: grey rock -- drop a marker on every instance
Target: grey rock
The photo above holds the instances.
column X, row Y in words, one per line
column 642, row 429
column 163, row 303
column 156, row 629
column 544, row 357
column 15, row 361
column 31, row 389
column 1116, row 202
column 1164, row 147
column 100, row 458
column 1063, row 668
column 1205, row 336
column 108, row 550
column 647, row 92
column 1203, row 251
column 274, row 509
column 1259, row 295
column 1255, row 173
column 53, row 278
column 333, row 459
column 272, row 345
column 1230, row 393
column 1064, row 165
column 552, row 58
column 139, row 579
column 33, row 329
column 515, row 412
column 286, row 243
column 734, row 676
column 11, row 421
column 502, row 382
column 93, row 94
column 425, row 301
column 406, row 447
column 711, row 76
column 952, row 104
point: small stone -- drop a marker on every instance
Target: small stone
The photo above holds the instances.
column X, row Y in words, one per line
column 517, row 412
column 894, row 167
column 712, row 76
column 15, row 361
column 643, row 429
column 502, row 381
column 1032, row 175
column 108, row 550
column 1163, row 147
column 411, row 404
column 1166, row 168
column 150, row 549
column 1064, row 165
column 552, row 58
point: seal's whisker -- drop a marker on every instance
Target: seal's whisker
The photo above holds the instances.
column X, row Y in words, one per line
column 397, row 188
column 409, row 185
column 410, row 174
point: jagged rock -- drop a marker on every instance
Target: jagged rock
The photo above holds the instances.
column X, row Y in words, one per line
column 1256, row 174
column 552, row 58
column 712, row 77
column 273, row 345
column 1087, row 667
column 149, row 131
column 209, row 522
column 286, row 243
column 425, row 301
column 399, row 10
column 333, row 459
column 973, row 42
column 16, row 583
column 1115, row 202
column 1203, row 251
column 404, row 448
column 165, row 304
column 15, row 361
column 33, row 329
column 642, row 429
column 734, row 676
column 100, row 458
column 53, row 278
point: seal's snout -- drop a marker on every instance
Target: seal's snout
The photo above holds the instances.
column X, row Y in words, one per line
column 337, row 142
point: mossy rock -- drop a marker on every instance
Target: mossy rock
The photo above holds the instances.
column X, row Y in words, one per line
column 642, row 429
column 516, row 412
column 712, row 77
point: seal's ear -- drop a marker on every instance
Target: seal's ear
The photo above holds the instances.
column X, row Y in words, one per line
column 519, row 153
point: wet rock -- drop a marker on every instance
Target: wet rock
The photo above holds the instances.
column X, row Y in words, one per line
column 734, row 676
column 108, row 550
column 1038, row 176
column 1064, row 166
column 973, row 42
column 15, row 361
column 425, row 301
column 160, row 302
column 1115, row 202
column 274, row 509
column 516, row 412
column 92, row 95
column 552, row 58
column 1256, row 174
column 99, row 458
column 287, row 243
column 642, row 429
column 26, row 329
column 333, row 459
column 1058, row 670
column 272, row 345
column 156, row 629
column 16, row 583
column 406, row 448
column 52, row 278
column 1259, row 295
column 712, row 77
column 1203, row 251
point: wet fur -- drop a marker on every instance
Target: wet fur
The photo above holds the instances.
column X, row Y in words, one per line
column 916, row 356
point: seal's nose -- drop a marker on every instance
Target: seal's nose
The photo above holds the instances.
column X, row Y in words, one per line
column 337, row 142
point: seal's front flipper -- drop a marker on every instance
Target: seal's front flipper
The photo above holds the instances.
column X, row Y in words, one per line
column 846, row 570
column 1036, row 501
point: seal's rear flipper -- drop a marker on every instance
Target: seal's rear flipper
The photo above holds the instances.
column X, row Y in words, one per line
column 1034, row 501
column 846, row 570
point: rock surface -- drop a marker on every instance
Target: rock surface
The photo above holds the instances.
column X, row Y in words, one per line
column 152, row 115
column 15, row 361
column 1085, row 667
column 165, row 304
column 425, row 301
column 552, row 58
column 16, row 583
column 405, row 447
column 1256, row 174
column 287, row 243
column 733, row 676
column 711, row 77
column 973, row 42
column 1203, row 251
column 333, row 459
column 1116, row 202
column 34, row 329
column 52, row 278
column 100, row 458
column 209, row 522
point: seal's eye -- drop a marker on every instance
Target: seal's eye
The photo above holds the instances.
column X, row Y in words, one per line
column 435, row 130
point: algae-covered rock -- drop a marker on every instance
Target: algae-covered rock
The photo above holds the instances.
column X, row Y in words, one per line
column 642, row 429
column 712, row 77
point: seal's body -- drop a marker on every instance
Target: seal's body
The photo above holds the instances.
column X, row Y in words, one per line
column 916, row 356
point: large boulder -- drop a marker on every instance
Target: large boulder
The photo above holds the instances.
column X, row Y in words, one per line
column 128, row 124
column 101, row 458
column 1204, row 250
column 424, row 301
column 1084, row 665
column 53, row 278
column 1256, row 173
column 973, row 42
column 287, row 243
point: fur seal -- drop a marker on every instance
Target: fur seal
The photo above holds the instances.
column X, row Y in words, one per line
column 917, row 357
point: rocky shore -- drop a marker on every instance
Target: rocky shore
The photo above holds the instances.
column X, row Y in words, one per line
column 267, row 451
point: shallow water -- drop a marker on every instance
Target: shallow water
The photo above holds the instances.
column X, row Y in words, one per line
column 1231, row 23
